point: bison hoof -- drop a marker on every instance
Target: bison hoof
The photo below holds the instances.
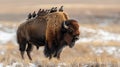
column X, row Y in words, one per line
column 58, row 57
column 37, row 47
column 50, row 57
column 55, row 55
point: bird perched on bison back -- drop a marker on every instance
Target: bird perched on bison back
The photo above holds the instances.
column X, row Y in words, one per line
column 48, row 11
column 44, row 12
column 34, row 14
column 55, row 9
column 61, row 9
column 29, row 16
column 38, row 14
column 52, row 10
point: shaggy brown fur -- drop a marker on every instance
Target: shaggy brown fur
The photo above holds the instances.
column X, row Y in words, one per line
column 31, row 32
column 54, row 26
column 48, row 31
column 56, row 38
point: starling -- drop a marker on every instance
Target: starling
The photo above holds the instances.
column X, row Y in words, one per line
column 61, row 9
column 55, row 9
column 42, row 11
column 48, row 11
column 34, row 14
column 38, row 14
column 29, row 16
column 52, row 10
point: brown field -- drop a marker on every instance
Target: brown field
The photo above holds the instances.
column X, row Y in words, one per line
column 79, row 56
column 82, row 55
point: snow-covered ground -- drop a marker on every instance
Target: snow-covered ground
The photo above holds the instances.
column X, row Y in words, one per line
column 7, row 34
column 87, row 35
column 90, row 35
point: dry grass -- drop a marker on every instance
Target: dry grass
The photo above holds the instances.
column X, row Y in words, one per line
column 79, row 56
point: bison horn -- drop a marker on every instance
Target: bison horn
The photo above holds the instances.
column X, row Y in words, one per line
column 65, row 26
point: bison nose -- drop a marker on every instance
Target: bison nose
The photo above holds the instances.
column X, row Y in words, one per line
column 76, row 37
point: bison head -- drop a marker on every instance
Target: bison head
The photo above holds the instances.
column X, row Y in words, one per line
column 70, row 28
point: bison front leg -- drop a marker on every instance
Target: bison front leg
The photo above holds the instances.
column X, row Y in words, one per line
column 57, row 53
column 59, row 49
column 29, row 49
column 48, row 50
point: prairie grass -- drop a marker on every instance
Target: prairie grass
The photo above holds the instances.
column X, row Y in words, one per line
column 81, row 55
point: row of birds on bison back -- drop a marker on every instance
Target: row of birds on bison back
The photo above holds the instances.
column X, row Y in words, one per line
column 43, row 12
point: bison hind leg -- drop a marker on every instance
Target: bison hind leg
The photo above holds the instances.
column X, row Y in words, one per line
column 46, row 51
column 29, row 49
column 22, row 47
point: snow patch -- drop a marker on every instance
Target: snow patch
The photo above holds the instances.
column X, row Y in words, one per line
column 87, row 35
column 110, row 50
column 61, row 64
column 6, row 36
column 1, row 64
column 16, row 64
column 90, row 35
column 32, row 65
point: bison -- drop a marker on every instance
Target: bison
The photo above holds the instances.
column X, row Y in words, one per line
column 54, row 31
column 60, row 32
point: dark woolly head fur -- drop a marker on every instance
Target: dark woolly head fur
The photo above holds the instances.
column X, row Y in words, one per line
column 72, row 31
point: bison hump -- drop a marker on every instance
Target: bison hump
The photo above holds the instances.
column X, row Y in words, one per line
column 54, row 24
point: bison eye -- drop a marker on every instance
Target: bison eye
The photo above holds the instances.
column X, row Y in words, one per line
column 70, row 30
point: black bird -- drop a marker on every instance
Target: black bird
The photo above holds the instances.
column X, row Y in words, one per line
column 48, row 11
column 52, row 10
column 38, row 14
column 55, row 9
column 61, row 9
column 34, row 14
column 42, row 11
column 29, row 16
